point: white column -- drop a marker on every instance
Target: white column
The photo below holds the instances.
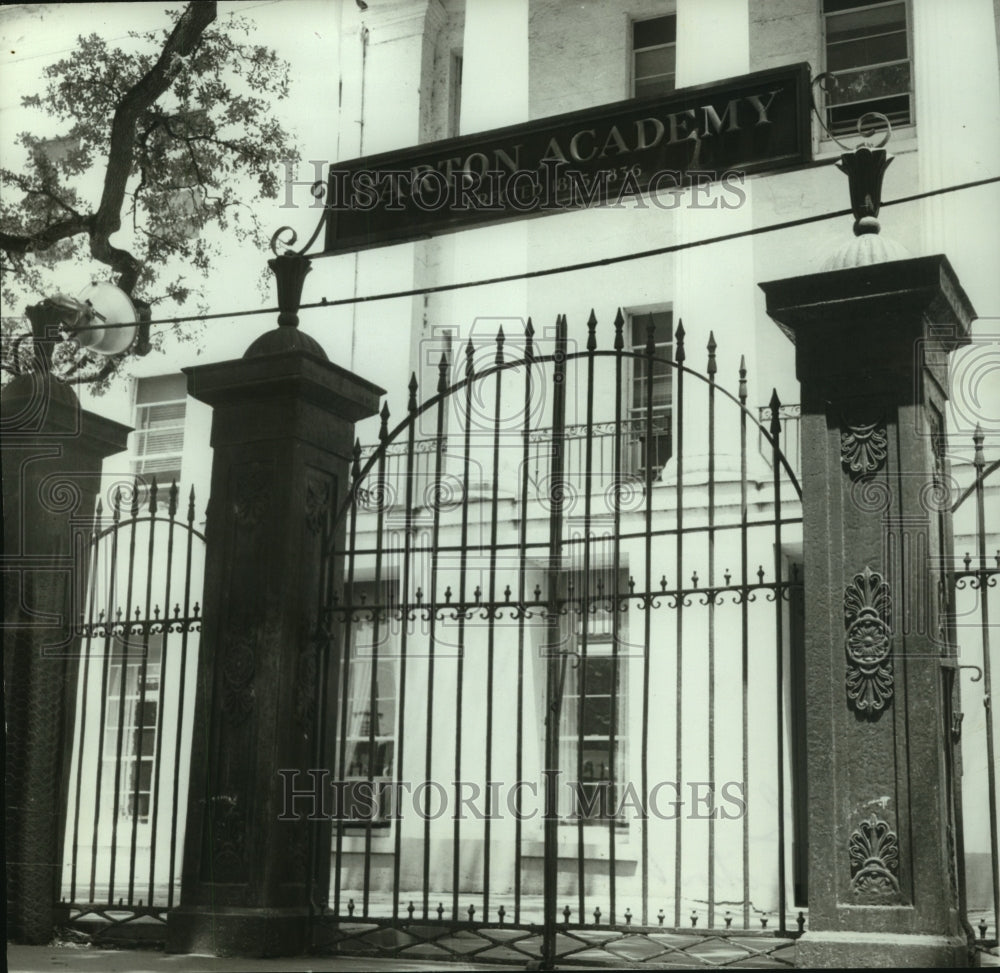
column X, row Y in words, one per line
column 389, row 62
column 958, row 128
column 713, row 40
column 715, row 291
column 958, row 132
column 714, row 288
column 494, row 94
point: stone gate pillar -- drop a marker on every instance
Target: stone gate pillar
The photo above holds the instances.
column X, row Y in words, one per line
column 53, row 451
column 872, row 344
column 282, row 435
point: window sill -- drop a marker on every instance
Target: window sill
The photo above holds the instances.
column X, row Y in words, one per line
column 903, row 140
column 568, row 849
column 354, row 839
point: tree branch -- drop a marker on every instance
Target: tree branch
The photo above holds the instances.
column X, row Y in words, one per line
column 26, row 187
column 182, row 42
column 18, row 243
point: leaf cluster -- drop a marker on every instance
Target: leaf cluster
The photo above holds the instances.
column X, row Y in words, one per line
column 167, row 144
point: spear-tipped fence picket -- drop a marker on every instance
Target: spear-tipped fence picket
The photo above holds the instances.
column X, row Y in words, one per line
column 137, row 641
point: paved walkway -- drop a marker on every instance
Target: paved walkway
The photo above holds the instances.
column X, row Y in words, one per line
column 85, row 959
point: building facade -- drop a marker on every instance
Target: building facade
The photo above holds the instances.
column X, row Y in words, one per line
column 701, row 696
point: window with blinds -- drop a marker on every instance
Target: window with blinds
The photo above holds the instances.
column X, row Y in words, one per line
column 868, row 54
column 160, row 409
column 654, row 56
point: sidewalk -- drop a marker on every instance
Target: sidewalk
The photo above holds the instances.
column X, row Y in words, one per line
column 86, row 959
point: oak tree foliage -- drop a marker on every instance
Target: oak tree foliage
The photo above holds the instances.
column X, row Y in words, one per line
column 166, row 146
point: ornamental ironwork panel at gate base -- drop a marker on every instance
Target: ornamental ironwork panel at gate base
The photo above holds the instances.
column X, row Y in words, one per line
column 138, row 630
column 568, row 705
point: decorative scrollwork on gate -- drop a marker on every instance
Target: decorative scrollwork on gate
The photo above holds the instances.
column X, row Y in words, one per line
column 863, row 448
column 867, row 607
column 874, row 851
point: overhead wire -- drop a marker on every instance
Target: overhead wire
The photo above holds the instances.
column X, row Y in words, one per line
column 564, row 268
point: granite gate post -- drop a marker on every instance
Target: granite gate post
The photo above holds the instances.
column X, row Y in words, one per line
column 52, row 458
column 282, row 435
column 872, row 341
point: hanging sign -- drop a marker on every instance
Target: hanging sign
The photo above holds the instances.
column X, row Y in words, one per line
column 627, row 154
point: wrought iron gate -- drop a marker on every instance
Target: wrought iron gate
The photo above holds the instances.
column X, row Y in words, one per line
column 566, row 715
column 139, row 623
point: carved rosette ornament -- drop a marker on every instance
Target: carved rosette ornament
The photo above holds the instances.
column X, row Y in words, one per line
column 238, row 668
column 229, row 827
column 319, row 499
column 874, row 852
column 307, row 672
column 251, row 494
column 863, row 448
column 867, row 607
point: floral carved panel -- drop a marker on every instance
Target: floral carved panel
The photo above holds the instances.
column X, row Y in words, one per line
column 238, row 670
column 863, row 448
column 874, row 854
column 251, row 493
column 868, row 642
column 319, row 501
column 228, row 836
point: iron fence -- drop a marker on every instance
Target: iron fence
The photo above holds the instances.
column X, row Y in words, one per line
column 137, row 637
column 528, row 608
column 974, row 614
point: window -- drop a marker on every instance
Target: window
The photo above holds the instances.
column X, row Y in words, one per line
column 370, row 740
column 455, row 96
column 52, row 157
column 592, row 728
column 651, row 453
column 131, row 722
column 868, row 53
column 182, row 210
column 58, row 150
column 160, row 405
column 654, row 56
column 181, row 202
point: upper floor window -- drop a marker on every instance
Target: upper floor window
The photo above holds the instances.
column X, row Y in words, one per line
column 455, row 96
column 654, row 55
column 160, row 405
column 57, row 150
column 868, row 53
column 651, row 392
column 181, row 197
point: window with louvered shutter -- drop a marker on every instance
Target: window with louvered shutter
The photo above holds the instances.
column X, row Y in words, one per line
column 159, row 428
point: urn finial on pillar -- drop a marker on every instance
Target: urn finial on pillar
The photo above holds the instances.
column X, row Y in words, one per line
column 290, row 270
column 865, row 167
